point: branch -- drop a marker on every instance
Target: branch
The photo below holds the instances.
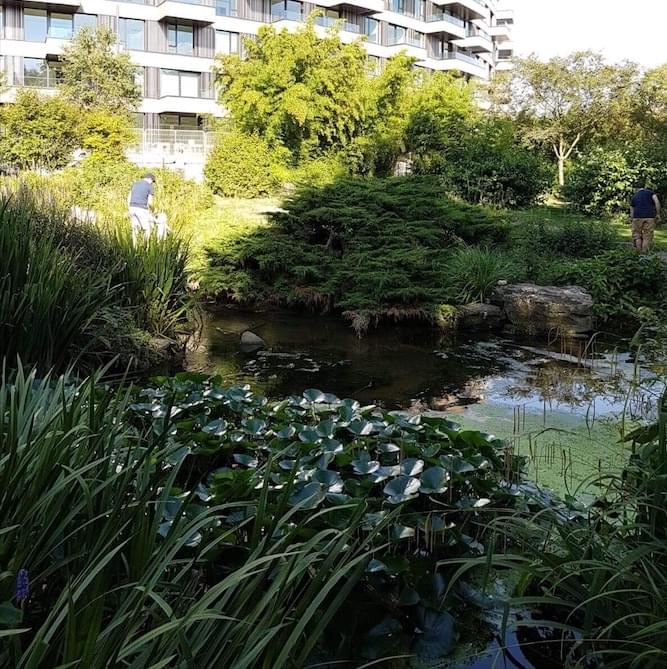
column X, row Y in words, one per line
column 576, row 141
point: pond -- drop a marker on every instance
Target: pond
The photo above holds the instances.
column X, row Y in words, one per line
column 562, row 403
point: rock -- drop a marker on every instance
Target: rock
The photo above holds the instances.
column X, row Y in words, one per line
column 546, row 309
column 251, row 342
column 479, row 315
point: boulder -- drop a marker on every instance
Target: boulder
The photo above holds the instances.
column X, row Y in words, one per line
column 546, row 309
column 480, row 316
column 251, row 342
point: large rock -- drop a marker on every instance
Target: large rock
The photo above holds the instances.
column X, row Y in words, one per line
column 546, row 309
column 480, row 316
column 251, row 342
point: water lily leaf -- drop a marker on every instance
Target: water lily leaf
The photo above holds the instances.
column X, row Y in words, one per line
column 203, row 493
column 375, row 566
column 237, row 437
column 254, row 426
column 399, row 532
column 388, row 448
column 245, row 460
column 437, row 638
column 456, row 464
column 216, row 427
column 172, row 508
column 325, row 460
column 364, row 465
column 475, row 438
column 402, row 489
column 287, row 432
column 215, row 393
column 412, row 467
column 309, row 435
column 326, row 428
column 434, row 481
column 384, row 473
column 287, row 465
column 332, row 446
column 338, row 498
column 314, row 395
column 331, row 480
column 381, row 639
column 429, row 451
column 360, row 427
column 308, row 496
column 193, row 540
column 372, row 520
column 175, row 457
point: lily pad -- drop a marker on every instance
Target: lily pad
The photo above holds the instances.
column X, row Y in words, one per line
column 412, row 467
column 314, row 395
column 437, row 638
column 364, row 465
column 434, row 481
column 245, row 460
column 216, row 427
column 360, row 427
column 287, row 432
column 402, row 489
column 331, row 480
column 254, row 426
column 308, row 496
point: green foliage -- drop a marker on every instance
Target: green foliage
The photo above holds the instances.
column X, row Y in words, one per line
column 241, row 165
column 374, row 248
column 79, row 292
column 473, row 272
column 38, row 131
column 308, row 95
column 602, row 180
column 489, row 165
column 97, row 75
column 620, row 281
column 106, row 134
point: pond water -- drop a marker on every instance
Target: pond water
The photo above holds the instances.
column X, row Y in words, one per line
column 562, row 403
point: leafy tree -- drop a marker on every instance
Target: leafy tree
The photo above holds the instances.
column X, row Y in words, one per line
column 39, row 131
column 566, row 100
column 105, row 133
column 95, row 75
column 305, row 93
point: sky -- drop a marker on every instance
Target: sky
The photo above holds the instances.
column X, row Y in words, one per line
column 622, row 30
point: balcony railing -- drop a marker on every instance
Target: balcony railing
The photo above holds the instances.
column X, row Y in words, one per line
column 282, row 14
column 398, row 7
column 203, row 3
column 444, row 16
column 177, row 141
column 464, row 57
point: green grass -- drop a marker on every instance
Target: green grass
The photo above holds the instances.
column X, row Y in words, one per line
column 556, row 214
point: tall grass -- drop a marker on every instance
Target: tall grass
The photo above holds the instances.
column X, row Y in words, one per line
column 84, row 496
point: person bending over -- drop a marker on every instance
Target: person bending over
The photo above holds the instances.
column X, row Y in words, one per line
column 140, row 201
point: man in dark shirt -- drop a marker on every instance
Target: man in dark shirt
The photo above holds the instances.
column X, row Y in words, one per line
column 139, row 201
column 644, row 210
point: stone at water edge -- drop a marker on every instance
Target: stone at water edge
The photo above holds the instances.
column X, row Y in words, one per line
column 542, row 309
column 251, row 341
column 479, row 315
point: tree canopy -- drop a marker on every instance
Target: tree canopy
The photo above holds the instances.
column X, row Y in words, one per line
column 566, row 100
column 95, row 75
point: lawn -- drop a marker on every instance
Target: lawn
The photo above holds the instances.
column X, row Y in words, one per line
column 557, row 214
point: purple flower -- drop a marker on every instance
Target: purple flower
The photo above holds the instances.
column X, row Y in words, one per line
column 22, row 585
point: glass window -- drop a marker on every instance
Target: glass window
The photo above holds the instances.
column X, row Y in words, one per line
column 169, row 120
column 169, row 82
column 54, row 73
column 34, row 25
column 188, row 121
column 226, row 42
column 292, row 10
column 397, row 6
column 139, row 79
column 180, row 38
column 60, row 25
column 131, row 34
column 329, row 17
column 189, row 84
column 374, row 64
column 225, row 7
column 34, row 72
column 184, row 84
column 421, row 9
column 137, row 120
column 83, row 20
column 372, row 29
column 396, row 34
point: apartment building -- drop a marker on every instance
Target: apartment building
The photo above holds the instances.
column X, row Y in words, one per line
column 173, row 42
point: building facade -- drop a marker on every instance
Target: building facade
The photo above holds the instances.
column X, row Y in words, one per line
column 173, row 42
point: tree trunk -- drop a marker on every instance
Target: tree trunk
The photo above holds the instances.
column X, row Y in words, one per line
column 562, row 154
column 561, row 171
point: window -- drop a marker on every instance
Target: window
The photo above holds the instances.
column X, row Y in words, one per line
column 329, row 17
column 83, row 20
column 225, row 7
column 131, row 34
column 179, row 84
column 374, row 64
column 173, row 121
column 137, row 120
column 291, row 10
column 181, row 38
column 34, row 72
column 60, row 25
column 421, row 10
column 372, row 29
column 34, row 25
column 139, row 80
column 397, row 6
column 396, row 34
column 226, row 42
column 417, row 39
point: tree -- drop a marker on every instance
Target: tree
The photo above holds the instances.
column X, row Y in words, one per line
column 304, row 93
column 106, row 134
column 95, row 75
column 564, row 101
column 39, row 131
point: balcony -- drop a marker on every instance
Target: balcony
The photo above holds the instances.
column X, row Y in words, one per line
column 476, row 9
column 201, row 11
column 368, row 6
column 501, row 33
column 458, row 61
column 443, row 22
column 282, row 14
column 476, row 40
column 345, row 26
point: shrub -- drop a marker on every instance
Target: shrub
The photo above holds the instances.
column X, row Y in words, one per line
column 620, row 281
column 241, row 166
column 106, row 134
column 602, row 180
column 472, row 273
